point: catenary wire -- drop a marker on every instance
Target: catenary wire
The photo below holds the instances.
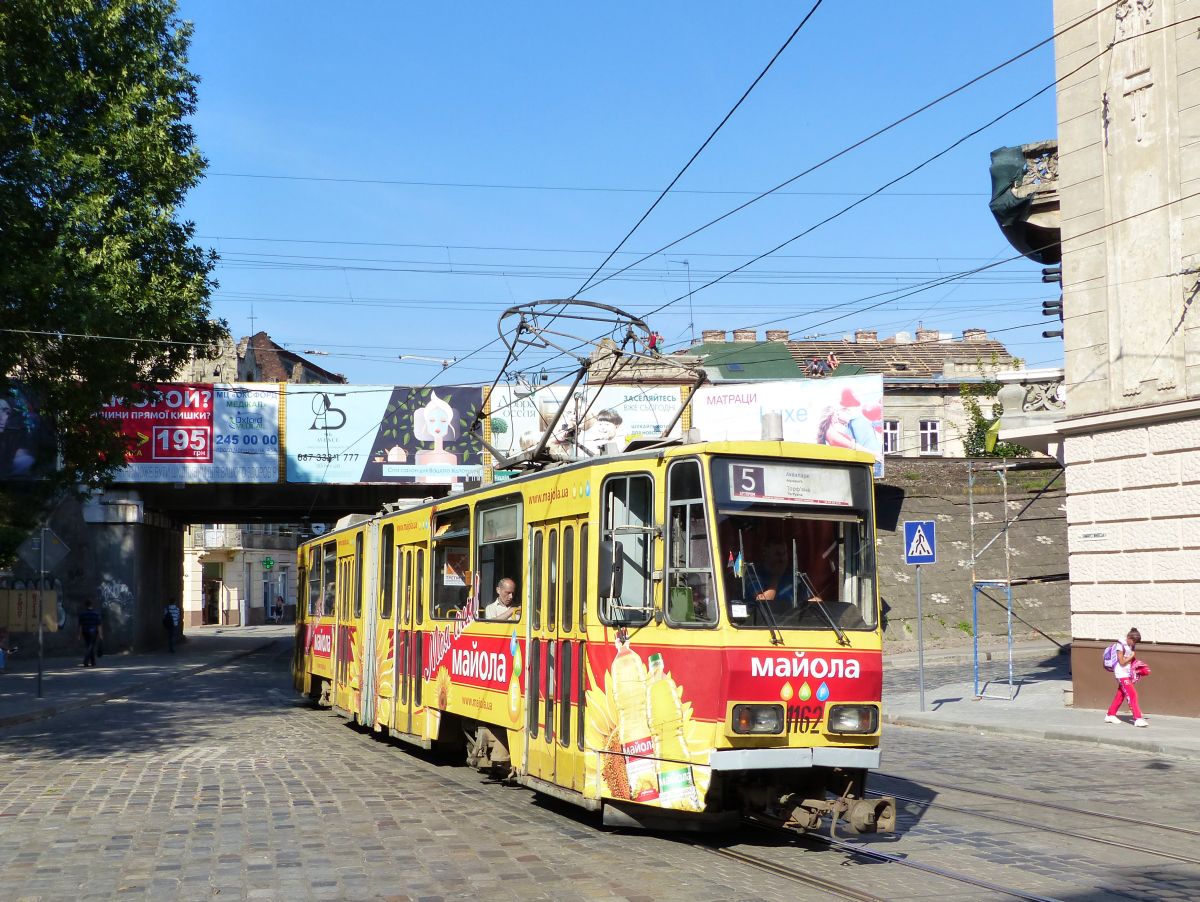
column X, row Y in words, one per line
column 863, row 141
column 700, row 149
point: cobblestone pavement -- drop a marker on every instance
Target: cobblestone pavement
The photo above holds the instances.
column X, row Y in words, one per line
column 225, row 786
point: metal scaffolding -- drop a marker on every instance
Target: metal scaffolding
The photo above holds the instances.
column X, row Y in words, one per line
column 981, row 585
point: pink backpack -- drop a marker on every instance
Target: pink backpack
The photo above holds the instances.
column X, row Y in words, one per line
column 1111, row 656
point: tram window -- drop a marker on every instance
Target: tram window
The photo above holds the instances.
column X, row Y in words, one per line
column 813, row 571
column 452, row 556
column 498, row 552
column 535, row 683
column 581, row 700
column 564, row 701
column 358, row 576
column 552, row 580
column 691, row 587
column 406, row 584
column 314, row 584
column 418, row 655
column 625, row 550
column 536, row 576
column 387, row 568
column 583, row 575
column 328, row 578
column 568, row 577
column 419, row 582
column 551, row 676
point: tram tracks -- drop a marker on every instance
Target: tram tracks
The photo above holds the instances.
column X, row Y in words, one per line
column 1041, row 827
column 841, row 890
column 858, row 850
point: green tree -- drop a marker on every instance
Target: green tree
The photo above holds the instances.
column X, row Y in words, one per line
column 976, row 440
column 102, row 289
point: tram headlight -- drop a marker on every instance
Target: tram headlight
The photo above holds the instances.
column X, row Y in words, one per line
column 757, row 719
column 852, row 719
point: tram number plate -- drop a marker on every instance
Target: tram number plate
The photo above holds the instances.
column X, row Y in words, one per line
column 749, row 482
column 804, row 718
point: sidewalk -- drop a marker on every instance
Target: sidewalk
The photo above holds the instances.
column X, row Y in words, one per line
column 1037, row 709
column 67, row 686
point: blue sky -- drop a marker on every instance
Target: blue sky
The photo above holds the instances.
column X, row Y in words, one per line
column 313, row 115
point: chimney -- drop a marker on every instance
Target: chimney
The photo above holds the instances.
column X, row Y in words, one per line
column 865, row 335
column 974, row 334
column 777, row 334
column 745, row 335
column 712, row 335
column 924, row 334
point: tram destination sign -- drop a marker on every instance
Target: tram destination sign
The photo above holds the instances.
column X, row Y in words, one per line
column 789, row 483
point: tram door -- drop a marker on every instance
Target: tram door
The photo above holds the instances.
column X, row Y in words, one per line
column 348, row 669
column 409, row 645
column 554, row 696
column 387, row 621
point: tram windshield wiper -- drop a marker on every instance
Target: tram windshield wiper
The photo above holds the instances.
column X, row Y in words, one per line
column 755, row 590
column 812, row 593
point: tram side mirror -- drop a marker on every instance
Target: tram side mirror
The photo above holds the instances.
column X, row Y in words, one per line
column 612, row 568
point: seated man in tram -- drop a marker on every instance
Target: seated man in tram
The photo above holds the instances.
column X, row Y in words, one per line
column 505, row 607
column 777, row 579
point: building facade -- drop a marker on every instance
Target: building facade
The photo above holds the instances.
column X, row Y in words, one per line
column 1128, row 180
column 237, row 574
column 923, row 376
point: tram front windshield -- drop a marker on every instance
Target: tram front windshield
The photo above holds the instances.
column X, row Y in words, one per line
column 796, row 544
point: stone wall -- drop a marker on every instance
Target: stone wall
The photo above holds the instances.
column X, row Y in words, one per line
column 926, row 489
column 121, row 558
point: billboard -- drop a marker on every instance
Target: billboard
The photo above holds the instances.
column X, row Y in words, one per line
column 614, row 413
column 381, row 434
column 27, row 448
column 843, row 412
column 200, row 433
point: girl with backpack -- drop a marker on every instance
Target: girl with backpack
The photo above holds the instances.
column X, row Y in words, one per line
column 1123, row 663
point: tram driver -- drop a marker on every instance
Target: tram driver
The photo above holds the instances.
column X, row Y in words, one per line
column 505, row 606
column 778, row 582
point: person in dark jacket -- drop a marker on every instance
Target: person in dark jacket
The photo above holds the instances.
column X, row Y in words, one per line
column 171, row 617
column 90, row 631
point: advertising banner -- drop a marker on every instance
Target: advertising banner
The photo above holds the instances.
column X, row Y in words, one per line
column 199, row 432
column 382, row 434
column 845, row 412
column 26, row 437
column 615, row 413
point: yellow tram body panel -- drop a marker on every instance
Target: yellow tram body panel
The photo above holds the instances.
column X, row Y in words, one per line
column 643, row 658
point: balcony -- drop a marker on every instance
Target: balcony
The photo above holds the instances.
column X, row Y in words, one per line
column 1025, row 199
column 226, row 537
column 236, row 537
column 1034, row 402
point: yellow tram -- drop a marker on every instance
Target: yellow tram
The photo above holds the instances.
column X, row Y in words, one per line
column 694, row 635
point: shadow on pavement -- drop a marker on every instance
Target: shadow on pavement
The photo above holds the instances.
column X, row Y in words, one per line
column 156, row 718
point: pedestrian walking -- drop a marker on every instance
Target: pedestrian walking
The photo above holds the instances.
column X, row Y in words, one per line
column 170, row 620
column 1126, row 668
column 90, row 631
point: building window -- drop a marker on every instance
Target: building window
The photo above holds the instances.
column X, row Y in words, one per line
column 891, row 436
column 931, row 437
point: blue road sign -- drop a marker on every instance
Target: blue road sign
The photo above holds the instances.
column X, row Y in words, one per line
column 920, row 542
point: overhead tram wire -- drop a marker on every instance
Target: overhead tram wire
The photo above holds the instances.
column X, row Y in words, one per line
column 700, row 149
column 858, row 144
column 918, row 288
column 602, row 189
column 916, row 168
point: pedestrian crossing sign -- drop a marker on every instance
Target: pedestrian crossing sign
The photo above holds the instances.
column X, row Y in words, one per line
column 920, row 542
